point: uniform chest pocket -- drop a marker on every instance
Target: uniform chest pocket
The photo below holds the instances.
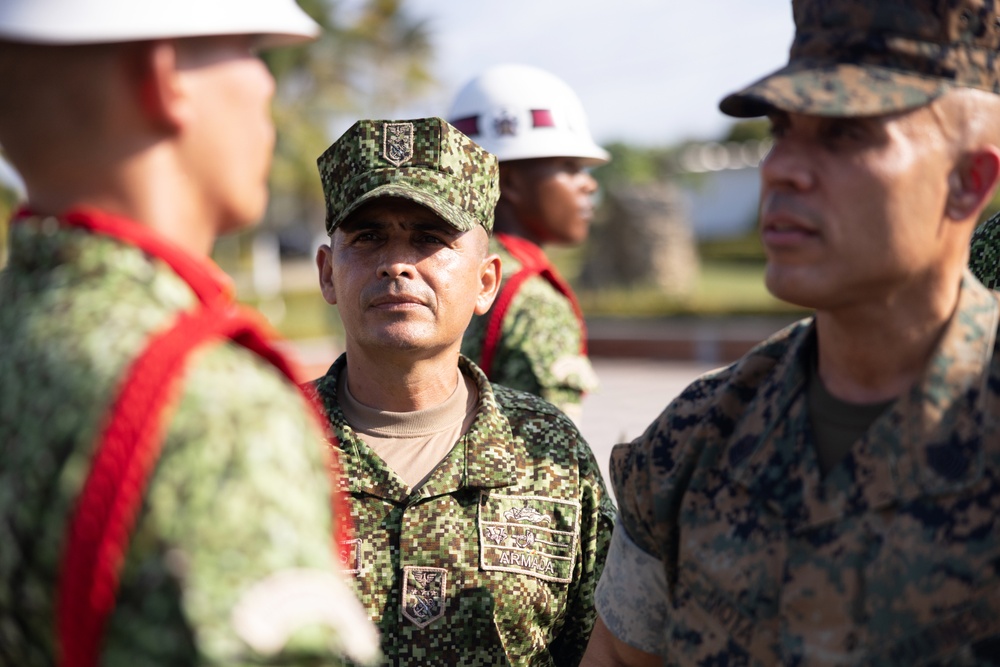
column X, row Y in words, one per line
column 529, row 535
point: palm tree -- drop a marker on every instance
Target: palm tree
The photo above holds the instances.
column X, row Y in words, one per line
column 367, row 63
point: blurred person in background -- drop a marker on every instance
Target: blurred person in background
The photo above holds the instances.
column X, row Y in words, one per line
column 534, row 337
column 830, row 498
column 165, row 491
column 482, row 518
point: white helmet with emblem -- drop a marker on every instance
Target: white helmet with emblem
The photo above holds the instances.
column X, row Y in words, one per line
column 518, row 112
column 277, row 22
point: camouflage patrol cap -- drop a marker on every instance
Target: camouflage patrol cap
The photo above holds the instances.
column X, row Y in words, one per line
column 870, row 57
column 425, row 160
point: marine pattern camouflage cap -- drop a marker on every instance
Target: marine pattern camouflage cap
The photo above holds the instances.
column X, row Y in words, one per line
column 870, row 57
column 425, row 160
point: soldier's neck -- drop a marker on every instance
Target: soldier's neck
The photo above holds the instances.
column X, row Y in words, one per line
column 507, row 222
column 398, row 381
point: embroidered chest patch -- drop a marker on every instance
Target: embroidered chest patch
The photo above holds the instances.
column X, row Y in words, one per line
column 350, row 556
column 424, row 594
column 529, row 535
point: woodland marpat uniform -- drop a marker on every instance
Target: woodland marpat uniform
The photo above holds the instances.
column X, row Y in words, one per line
column 494, row 559
column 892, row 559
column 984, row 252
column 240, row 491
column 539, row 349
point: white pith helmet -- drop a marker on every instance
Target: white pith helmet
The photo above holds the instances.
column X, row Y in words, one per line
column 277, row 22
column 518, row 112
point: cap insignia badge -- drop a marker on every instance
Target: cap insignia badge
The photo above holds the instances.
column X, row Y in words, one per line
column 397, row 142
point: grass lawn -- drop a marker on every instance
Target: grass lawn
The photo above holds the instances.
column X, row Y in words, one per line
column 724, row 287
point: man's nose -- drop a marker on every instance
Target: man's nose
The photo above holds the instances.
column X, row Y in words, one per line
column 787, row 164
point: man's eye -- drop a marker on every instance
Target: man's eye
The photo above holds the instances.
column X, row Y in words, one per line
column 365, row 237
column 841, row 131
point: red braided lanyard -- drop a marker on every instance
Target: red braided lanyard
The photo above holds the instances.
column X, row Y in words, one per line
column 126, row 452
column 533, row 263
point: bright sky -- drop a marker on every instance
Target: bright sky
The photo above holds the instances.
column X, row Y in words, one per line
column 649, row 72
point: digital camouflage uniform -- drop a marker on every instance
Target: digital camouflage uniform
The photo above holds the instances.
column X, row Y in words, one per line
column 492, row 561
column 892, row 559
column 984, row 253
column 539, row 350
column 240, row 491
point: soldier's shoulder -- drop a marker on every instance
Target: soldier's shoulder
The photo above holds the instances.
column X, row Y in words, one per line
column 540, row 426
column 239, row 397
column 537, row 292
column 725, row 392
column 706, row 411
column 228, row 363
column 521, row 404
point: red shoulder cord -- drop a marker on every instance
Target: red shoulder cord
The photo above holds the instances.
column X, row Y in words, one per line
column 533, row 263
column 126, row 452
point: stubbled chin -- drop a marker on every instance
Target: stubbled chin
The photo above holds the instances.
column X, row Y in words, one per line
column 783, row 284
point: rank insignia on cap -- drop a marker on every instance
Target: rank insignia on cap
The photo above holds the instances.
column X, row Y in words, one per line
column 397, row 142
column 505, row 124
column 424, row 594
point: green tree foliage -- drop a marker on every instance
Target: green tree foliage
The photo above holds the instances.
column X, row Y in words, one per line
column 756, row 129
column 631, row 164
column 371, row 58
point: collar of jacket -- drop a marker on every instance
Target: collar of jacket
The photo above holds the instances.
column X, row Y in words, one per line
column 489, row 460
column 929, row 442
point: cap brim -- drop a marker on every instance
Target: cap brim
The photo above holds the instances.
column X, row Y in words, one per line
column 834, row 89
column 455, row 216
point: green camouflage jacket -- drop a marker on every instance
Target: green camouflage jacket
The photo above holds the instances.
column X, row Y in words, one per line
column 984, row 253
column 892, row 559
column 539, row 348
column 492, row 561
column 237, row 512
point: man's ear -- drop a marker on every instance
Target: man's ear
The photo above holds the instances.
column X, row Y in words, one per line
column 324, row 263
column 972, row 182
column 160, row 84
column 490, row 273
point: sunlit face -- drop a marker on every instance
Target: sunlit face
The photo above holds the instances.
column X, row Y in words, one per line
column 852, row 209
column 554, row 201
column 403, row 279
column 231, row 138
